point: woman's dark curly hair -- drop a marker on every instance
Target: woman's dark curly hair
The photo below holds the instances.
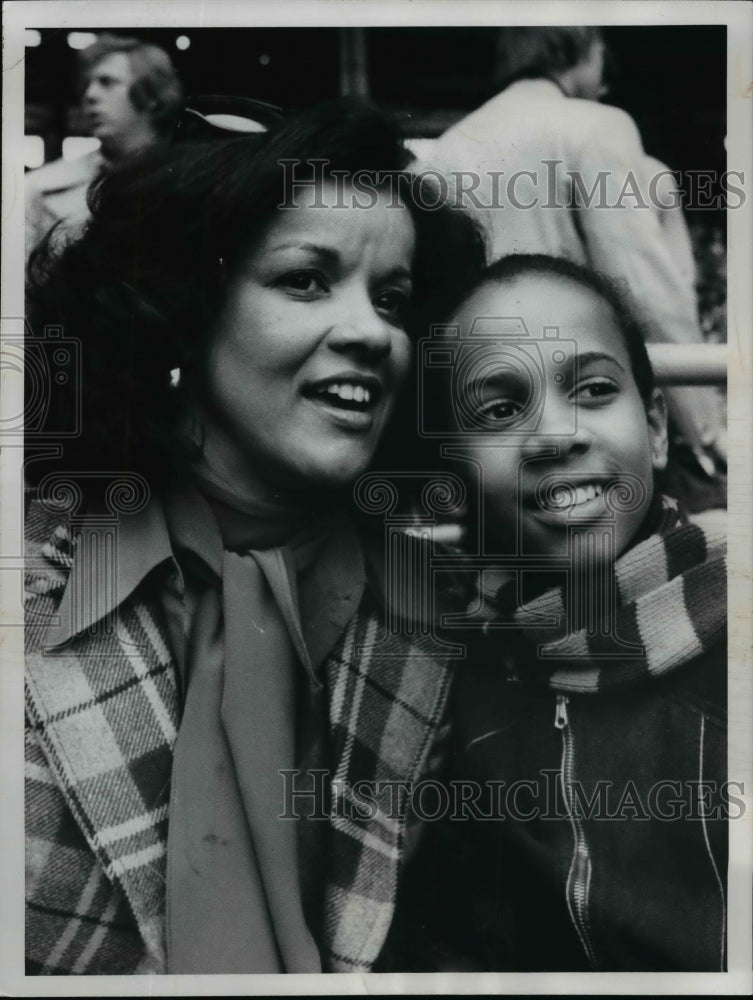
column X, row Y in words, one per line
column 140, row 289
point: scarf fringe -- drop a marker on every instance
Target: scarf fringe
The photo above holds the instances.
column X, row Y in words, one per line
column 662, row 604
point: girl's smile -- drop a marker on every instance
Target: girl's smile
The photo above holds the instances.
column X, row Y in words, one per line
column 585, row 454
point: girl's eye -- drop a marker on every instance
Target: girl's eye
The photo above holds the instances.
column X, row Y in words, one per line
column 500, row 411
column 303, row 282
column 394, row 305
column 595, row 390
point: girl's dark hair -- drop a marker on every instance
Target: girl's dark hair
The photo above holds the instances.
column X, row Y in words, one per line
column 633, row 332
column 141, row 288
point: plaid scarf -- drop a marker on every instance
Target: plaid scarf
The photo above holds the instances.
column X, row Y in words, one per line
column 659, row 606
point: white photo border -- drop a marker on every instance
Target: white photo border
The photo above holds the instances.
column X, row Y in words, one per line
column 738, row 17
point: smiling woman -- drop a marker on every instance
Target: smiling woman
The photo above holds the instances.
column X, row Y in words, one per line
column 202, row 604
column 310, row 346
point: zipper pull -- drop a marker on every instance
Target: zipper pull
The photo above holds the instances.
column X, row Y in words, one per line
column 560, row 712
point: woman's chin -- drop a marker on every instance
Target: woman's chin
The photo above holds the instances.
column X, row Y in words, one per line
column 334, row 476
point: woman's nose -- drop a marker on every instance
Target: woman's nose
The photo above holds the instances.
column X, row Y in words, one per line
column 361, row 328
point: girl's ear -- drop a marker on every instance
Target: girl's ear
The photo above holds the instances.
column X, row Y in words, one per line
column 656, row 412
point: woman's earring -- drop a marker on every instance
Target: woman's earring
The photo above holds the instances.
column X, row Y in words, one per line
column 174, row 378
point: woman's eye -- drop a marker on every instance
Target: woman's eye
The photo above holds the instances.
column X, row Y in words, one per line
column 595, row 390
column 393, row 304
column 303, row 282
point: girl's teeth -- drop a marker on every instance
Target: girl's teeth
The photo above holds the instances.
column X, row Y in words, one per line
column 334, row 389
column 567, row 497
column 346, row 392
column 562, row 500
column 358, row 394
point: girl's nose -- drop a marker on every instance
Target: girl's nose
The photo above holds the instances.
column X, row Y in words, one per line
column 559, row 423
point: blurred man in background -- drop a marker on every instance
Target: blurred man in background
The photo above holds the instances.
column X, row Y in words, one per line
column 561, row 174
column 130, row 98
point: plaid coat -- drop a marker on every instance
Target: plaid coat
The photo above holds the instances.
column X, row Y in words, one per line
column 102, row 717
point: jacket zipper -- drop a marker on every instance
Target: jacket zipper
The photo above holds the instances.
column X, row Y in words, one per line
column 579, row 875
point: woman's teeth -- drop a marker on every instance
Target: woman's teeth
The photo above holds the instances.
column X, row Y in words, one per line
column 565, row 497
column 344, row 395
column 357, row 393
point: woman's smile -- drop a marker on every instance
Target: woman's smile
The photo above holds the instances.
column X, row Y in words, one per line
column 310, row 349
column 351, row 399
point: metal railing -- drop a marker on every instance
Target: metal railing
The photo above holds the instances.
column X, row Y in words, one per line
column 689, row 364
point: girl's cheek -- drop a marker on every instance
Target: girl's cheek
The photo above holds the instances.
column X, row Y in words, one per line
column 499, row 485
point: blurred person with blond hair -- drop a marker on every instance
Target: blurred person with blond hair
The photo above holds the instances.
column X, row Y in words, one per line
column 130, row 99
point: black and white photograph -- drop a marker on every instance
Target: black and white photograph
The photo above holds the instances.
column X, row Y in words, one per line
column 376, row 410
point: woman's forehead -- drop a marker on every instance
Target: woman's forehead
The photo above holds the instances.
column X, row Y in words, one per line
column 329, row 215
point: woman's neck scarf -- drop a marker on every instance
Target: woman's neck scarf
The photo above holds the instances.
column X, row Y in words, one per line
column 661, row 604
column 234, row 890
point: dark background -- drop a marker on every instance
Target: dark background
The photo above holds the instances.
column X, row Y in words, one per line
column 671, row 79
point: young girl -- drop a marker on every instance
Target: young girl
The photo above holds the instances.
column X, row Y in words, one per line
column 589, row 714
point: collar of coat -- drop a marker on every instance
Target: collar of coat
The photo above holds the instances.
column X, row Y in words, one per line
column 95, row 678
column 61, row 175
